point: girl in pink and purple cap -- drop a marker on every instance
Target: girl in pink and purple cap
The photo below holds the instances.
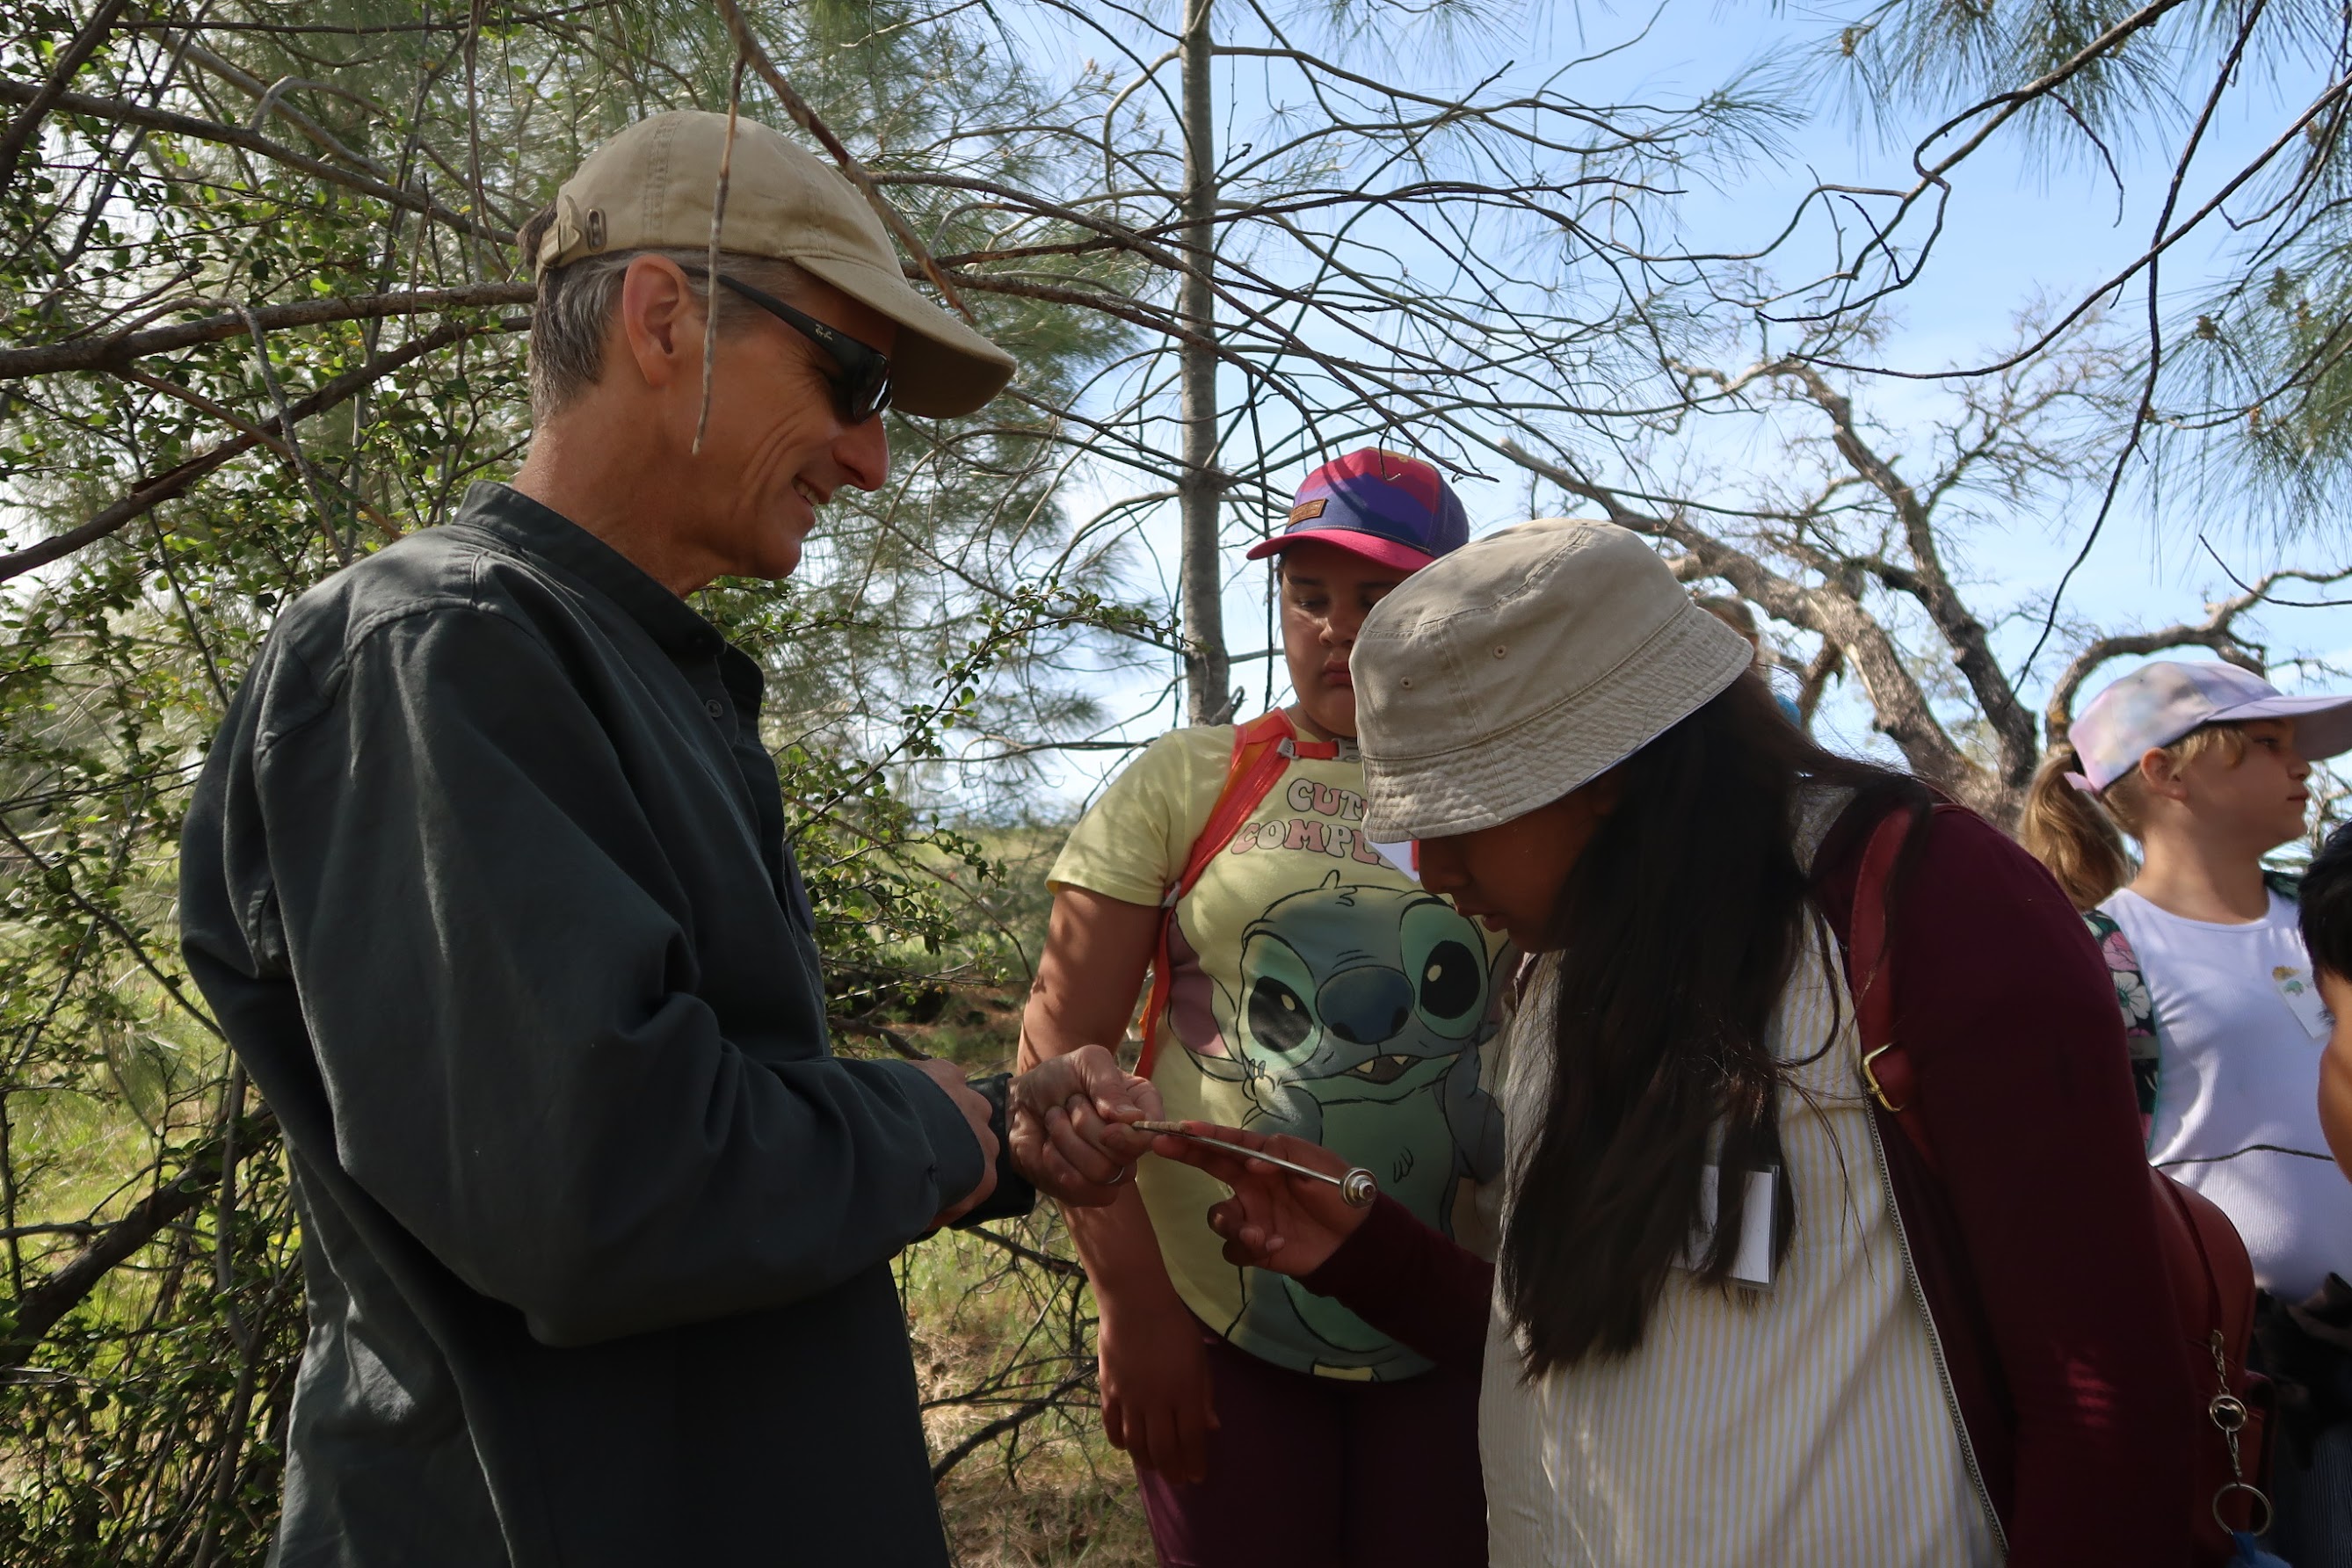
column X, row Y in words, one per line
column 2207, row 767
column 1301, row 984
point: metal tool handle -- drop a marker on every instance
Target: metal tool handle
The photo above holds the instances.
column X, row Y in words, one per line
column 1358, row 1188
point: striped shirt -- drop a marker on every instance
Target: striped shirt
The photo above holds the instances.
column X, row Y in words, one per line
column 1813, row 1427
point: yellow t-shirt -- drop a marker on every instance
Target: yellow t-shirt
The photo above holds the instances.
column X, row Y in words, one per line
column 1317, row 991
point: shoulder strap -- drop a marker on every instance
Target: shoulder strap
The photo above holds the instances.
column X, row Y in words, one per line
column 2203, row 1260
column 1886, row 1068
column 1263, row 748
column 2136, row 1005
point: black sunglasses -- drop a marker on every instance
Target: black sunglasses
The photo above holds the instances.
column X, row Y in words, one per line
column 861, row 390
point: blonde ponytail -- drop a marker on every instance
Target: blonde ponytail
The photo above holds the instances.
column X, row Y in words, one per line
column 2064, row 828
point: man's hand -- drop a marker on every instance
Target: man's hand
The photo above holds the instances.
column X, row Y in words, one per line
column 975, row 1109
column 1275, row 1220
column 1069, row 1130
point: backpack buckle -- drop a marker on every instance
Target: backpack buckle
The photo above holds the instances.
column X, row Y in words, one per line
column 1871, row 1079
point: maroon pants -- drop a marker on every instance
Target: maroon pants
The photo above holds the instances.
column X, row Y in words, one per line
column 1320, row 1472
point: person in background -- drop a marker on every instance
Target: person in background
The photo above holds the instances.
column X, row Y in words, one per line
column 2324, row 914
column 1303, row 984
column 1735, row 613
column 1846, row 1356
column 2206, row 766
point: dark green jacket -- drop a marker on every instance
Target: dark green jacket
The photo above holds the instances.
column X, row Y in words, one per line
column 486, row 879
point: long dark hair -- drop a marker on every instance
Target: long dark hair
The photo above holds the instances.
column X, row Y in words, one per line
column 1682, row 921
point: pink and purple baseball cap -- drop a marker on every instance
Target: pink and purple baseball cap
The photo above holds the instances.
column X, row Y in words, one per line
column 1382, row 505
column 2158, row 703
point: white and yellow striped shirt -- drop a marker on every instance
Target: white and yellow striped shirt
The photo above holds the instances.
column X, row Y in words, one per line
column 1812, row 1430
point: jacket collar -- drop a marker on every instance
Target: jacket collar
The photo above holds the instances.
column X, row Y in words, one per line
column 523, row 524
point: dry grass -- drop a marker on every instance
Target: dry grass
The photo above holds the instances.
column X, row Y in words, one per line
column 1002, row 1337
column 1072, row 1502
column 1007, row 1340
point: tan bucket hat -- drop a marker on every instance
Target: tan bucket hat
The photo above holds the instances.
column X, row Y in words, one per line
column 1501, row 677
column 651, row 186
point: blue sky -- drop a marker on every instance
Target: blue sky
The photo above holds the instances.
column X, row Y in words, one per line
column 2020, row 230
column 2023, row 227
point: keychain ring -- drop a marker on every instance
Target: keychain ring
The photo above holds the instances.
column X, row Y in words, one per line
column 2250, row 1490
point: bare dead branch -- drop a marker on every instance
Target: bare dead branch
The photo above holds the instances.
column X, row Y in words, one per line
column 2280, row 576
column 1926, row 580
column 52, row 1228
column 1027, row 1412
column 1903, row 712
column 2216, row 631
column 868, row 1029
column 1069, row 1267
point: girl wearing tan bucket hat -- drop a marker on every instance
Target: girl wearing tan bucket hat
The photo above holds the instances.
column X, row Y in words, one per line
column 1735, row 1320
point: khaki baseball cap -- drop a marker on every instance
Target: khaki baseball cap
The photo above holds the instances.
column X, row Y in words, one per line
column 651, row 187
column 1498, row 679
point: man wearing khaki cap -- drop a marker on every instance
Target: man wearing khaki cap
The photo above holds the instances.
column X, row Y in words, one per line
column 486, row 879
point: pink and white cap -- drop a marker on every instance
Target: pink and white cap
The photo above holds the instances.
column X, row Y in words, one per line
column 2157, row 703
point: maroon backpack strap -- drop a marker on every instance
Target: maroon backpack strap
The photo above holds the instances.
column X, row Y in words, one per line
column 2204, row 1261
column 1887, row 1066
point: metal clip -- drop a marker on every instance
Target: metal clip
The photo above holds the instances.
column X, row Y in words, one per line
column 1871, row 1079
column 2228, row 1412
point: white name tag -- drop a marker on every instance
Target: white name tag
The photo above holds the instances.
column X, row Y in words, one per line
column 2301, row 994
column 1752, row 1264
column 1406, row 856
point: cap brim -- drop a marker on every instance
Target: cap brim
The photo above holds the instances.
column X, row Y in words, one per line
column 2322, row 725
column 1373, row 547
column 940, row 367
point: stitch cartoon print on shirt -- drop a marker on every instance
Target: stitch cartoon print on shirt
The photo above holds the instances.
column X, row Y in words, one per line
column 1360, row 1013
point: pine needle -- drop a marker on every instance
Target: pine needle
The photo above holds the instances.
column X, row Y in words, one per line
column 710, row 284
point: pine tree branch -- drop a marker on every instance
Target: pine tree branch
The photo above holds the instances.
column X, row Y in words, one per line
column 115, row 353
column 32, row 1315
column 70, row 59
column 152, row 493
column 806, row 117
column 124, row 111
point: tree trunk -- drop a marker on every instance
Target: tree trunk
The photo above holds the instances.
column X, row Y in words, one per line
column 1208, row 674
